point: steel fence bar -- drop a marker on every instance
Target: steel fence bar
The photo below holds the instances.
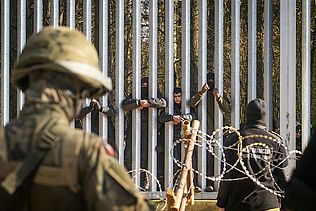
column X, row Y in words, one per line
column 306, row 72
column 119, row 78
column 152, row 114
column 5, row 61
column 169, row 84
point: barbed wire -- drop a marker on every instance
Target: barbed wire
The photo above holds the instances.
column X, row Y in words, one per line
column 214, row 145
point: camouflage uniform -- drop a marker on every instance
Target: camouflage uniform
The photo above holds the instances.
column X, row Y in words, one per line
column 58, row 69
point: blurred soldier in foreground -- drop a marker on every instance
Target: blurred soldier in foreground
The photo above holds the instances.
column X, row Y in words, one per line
column 45, row 164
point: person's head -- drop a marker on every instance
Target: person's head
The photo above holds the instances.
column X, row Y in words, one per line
column 256, row 112
column 210, row 80
column 61, row 65
column 298, row 130
column 144, row 87
column 144, row 82
column 177, row 95
column 276, row 125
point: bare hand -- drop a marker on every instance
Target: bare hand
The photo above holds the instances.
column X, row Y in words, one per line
column 221, row 209
column 204, row 88
column 216, row 93
column 94, row 101
column 176, row 119
column 143, row 104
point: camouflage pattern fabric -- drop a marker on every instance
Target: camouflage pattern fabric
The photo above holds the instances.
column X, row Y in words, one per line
column 102, row 184
column 57, row 70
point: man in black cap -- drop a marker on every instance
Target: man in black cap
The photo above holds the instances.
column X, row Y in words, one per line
column 264, row 158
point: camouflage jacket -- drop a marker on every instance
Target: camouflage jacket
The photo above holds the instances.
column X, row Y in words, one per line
column 77, row 174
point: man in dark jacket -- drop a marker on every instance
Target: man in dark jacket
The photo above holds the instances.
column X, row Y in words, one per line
column 105, row 110
column 212, row 96
column 144, row 103
column 177, row 117
column 264, row 159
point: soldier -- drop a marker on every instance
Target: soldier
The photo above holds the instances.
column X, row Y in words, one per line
column 45, row 164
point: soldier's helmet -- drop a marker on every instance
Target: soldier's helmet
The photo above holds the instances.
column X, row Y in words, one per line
column 63, row 50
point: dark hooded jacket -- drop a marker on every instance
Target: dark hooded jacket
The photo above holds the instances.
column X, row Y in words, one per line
column 245, row 194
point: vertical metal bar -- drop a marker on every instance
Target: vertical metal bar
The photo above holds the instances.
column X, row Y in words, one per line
column 202, row 109
column 252, row 49
column 185, row 61
column 136, row 113
column 152, row 115
column 21, row 40
column 5, row 60
column 268, row 55
column 38, row 15
column 185, row 57
column 288, row 75
column 103, row 54
column 292, row 76
column 87, row 19
column 71, row 13
column 235, row 34
column 169, row 84
column 306, row 71
column 87, row 32
column 119, row 77
column 219, row 72
column 54, row 13
column 71, row 23
column 284, row 123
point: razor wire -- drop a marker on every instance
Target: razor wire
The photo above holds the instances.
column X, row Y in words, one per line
column 212, row 142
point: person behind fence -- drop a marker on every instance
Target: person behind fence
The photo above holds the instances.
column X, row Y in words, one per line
column 95, row 105
column 300, row 191
column 298, row 136
column 144, row 104
column 212, row 96
column 264, row 159
column 45, row 163
column 176, row 118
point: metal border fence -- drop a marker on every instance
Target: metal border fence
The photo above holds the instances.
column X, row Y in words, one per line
column 287, row 61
